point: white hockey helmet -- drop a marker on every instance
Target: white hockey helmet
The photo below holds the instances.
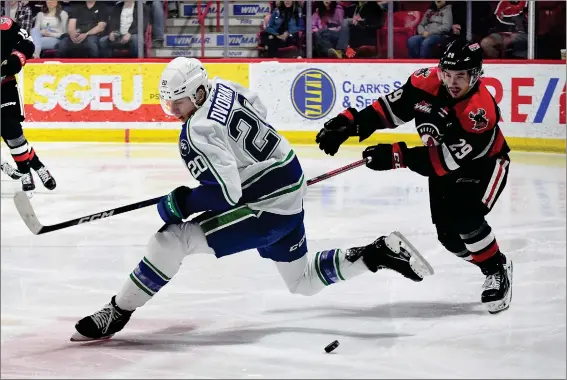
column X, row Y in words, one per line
column 182, row 78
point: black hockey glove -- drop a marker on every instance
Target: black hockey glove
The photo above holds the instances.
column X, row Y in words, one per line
column 13, row 64
column 171, row 207
column 336, row 131
column 385, row 156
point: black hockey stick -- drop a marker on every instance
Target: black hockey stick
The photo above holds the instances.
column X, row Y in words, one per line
column 25, row 209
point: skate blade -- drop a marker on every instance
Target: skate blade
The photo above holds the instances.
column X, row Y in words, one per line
column 496, row 307
column 15, row 176
column 77, row 337
column 417, row 262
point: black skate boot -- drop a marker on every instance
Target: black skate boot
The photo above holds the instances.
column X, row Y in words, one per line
column 10, row 171
column 46, row 178
column 27, row 182
column 393, row 252
column 103, row 324
column 497, row 288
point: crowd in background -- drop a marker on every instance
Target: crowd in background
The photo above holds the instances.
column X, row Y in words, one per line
column 340, row 29
column 86, row 29
column 350, row 29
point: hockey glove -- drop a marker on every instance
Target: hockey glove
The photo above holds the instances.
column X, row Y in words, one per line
column 336, row 131
column 13, row 64
column 385, row 156
column 171, row 207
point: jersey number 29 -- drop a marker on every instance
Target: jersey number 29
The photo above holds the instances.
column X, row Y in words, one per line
column 245, row 126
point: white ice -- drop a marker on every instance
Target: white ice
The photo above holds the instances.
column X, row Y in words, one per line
column 234, row 318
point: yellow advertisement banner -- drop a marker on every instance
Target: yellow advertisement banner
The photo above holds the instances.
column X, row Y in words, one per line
column 104, row 92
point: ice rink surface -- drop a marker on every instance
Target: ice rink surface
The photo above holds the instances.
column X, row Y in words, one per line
column 234, row 318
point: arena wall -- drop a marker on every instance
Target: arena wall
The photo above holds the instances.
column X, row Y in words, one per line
column 117, row 100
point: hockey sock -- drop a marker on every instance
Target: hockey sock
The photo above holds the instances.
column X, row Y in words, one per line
column 35, row 163
column 310, row 274
column 166, row 251
column 332, row 266
column 481, row 243
column 19, row 149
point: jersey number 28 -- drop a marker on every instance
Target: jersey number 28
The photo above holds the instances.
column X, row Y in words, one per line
column 245, row 126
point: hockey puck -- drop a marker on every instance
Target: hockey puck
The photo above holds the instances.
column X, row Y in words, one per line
column 334, row 344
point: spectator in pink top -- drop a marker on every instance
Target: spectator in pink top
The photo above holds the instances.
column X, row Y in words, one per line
column 327, row 21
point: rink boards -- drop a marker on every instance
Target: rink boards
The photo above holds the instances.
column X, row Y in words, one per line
column 117, row 101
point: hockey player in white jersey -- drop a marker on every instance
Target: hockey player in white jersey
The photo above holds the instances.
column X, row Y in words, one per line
column 251, row 191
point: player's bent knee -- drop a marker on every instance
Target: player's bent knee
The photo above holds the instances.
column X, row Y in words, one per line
column 473, row 223
column 452, row 242
column 299, row 278
column 167, row 241
column 178, row 241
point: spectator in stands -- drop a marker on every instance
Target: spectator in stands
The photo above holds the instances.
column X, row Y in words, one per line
column 87, row 21
column 123, row 29
column 359, row 28
column 173, row 9
column 326, row 26
column 286, row 23
column 50, row 25
column 36, row 7
column 481, row 13
column 509, row 34
column 66, row 4
column 158, row 20
column 550, row 29
column 385, row 4
column 19, row 11
column 434, row 28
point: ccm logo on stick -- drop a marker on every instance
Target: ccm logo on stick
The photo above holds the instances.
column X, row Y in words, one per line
column 101, row 215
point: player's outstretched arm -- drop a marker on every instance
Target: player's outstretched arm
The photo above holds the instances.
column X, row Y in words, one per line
column 467, row 139
column 387, row 112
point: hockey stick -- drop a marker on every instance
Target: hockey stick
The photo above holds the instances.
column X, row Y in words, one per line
column 25, row 209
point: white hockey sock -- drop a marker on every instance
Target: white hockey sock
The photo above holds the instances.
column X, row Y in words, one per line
column 166, row 251
column 309, row 275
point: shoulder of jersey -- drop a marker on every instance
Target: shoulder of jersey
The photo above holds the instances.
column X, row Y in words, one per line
column 5, row 23
column 477, row 114
column 427, row 79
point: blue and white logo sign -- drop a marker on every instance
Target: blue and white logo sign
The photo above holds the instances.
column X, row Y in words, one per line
column 313, row 94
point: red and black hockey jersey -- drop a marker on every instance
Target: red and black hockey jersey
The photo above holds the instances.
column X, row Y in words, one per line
column 14, row 40
column 455, row 132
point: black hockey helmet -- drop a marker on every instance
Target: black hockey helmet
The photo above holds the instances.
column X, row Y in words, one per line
column 463, row 55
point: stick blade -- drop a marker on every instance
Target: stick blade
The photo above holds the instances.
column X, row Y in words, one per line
column 25, row 210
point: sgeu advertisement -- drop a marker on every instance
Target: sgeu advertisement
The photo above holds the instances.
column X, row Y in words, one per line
column 103, row 92
column 301, row 96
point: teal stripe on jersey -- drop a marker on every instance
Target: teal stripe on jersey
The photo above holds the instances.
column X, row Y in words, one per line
column 227, row 219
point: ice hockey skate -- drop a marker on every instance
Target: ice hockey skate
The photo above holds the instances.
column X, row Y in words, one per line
column 28, row 183
column 101, row 325
column 46, row 178
column 393, row 252
column 497, row 289
column 10, row 171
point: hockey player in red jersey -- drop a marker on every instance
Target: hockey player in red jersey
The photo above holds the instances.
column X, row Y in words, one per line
column 465, row 156
column 17, row 47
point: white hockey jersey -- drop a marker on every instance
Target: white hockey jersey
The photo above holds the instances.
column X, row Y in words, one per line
column 227, row 145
